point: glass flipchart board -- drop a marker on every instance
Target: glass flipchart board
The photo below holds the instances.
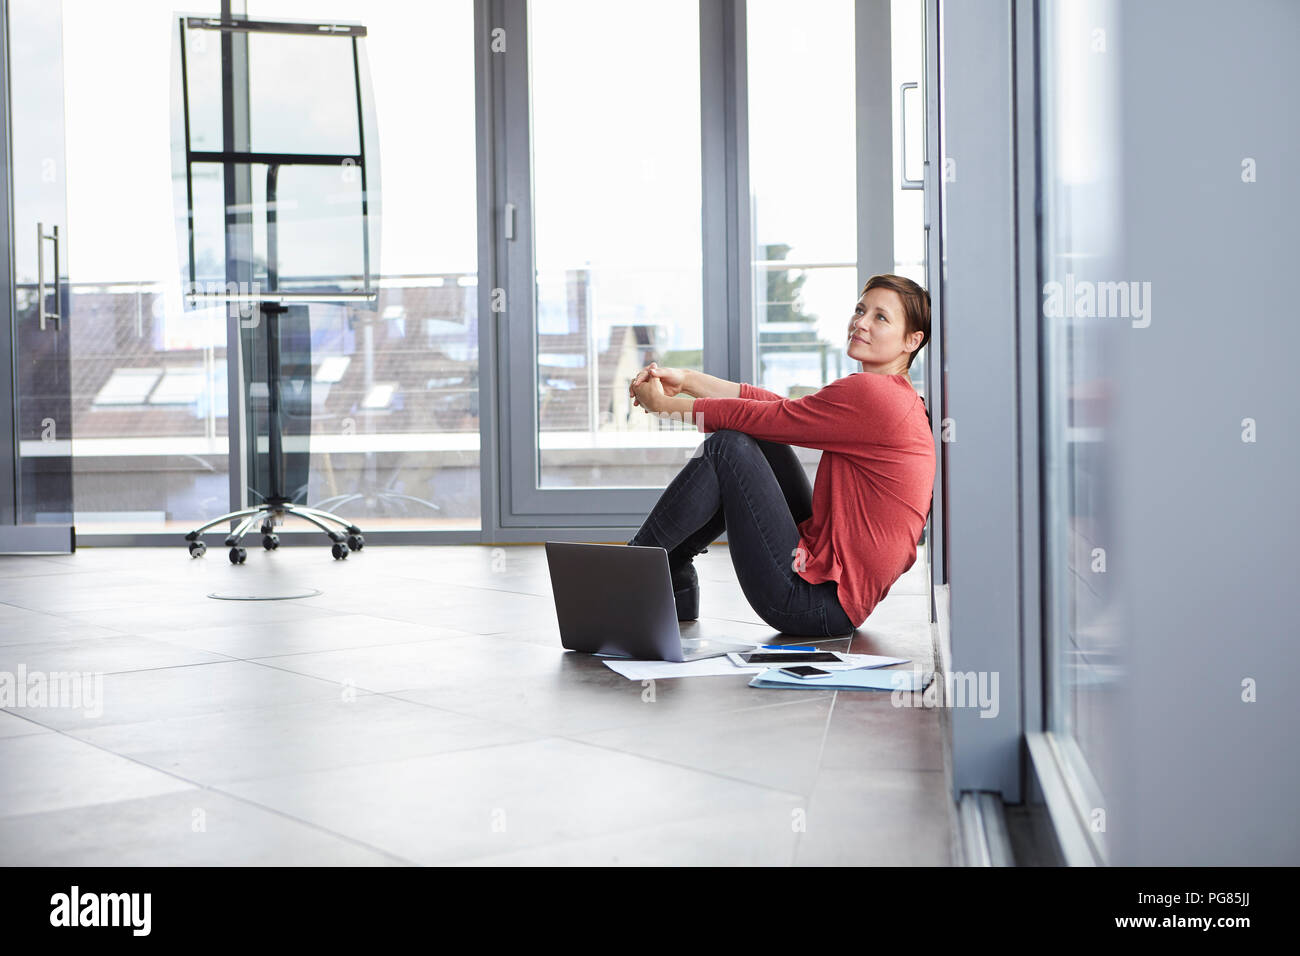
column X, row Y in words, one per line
column 277, row 199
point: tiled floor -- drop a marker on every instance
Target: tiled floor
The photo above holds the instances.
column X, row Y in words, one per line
column 420, row 710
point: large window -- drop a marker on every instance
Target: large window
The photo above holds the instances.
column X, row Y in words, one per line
column 1079, row 253
column 803, row 181
column 148, row 379
column 394, row 424
column 616, row 198
column 907, row 62
column 803, row 170
column 395, row 427
column 616, row 210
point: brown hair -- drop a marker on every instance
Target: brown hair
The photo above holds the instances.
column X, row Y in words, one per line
column 916, row 306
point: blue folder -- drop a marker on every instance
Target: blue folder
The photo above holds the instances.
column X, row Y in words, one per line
column 856, row 679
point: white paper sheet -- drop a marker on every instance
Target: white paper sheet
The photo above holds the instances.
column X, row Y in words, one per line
column 721, row 667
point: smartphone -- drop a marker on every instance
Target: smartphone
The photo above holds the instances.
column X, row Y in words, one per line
column 805, row 671
column 790, row 657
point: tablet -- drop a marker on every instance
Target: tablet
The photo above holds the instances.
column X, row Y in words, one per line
column 778, row 658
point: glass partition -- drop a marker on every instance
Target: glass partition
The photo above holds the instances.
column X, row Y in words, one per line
column 1084, row 301
column 802, row 76
column 148, row 377
column 41, row 306
column 616, row 194
column 394, row 429
column 803, row 184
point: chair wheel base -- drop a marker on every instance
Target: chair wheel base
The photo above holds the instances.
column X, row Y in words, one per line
column 266, row 518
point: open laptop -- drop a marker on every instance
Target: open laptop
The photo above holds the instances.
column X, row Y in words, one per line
column 617, row 600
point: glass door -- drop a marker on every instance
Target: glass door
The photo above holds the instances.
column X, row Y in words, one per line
column 42, row 475
column 393, row 389
column 609, row 228
column 1080, row 245
column 394, row 427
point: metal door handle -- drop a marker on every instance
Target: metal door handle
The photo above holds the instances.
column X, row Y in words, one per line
column 56, row 315
column 906, row 183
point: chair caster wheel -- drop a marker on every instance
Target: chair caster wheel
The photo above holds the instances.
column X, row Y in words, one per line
column 270, row 541
column 340, row 551
column 238, row 555
column 356, row 542
column 197, row 549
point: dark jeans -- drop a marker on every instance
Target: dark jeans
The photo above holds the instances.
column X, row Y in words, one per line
column 757, row 492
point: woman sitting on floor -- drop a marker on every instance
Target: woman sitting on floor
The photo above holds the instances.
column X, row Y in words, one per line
column 810, row 562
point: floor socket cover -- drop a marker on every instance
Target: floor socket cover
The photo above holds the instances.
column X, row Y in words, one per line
column 280, row 596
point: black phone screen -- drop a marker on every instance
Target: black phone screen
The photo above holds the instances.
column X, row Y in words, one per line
column 805, row 671
column 789, row 657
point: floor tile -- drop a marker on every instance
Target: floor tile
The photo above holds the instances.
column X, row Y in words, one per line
column 103, row 655
column 20, row 625
column 884, row 818
column 188, row 828
column 85, row 592
column 478, row 664
column 139, row 696
column 276, row 638
column 761, row 833
column 214, row 749
column 577, row 694
column 11, row 725
column 52, row 771
column 194, row 611
column 467, row 804
column 898, row 609
column 20, row 565
column 777, row 746
column 867, row 731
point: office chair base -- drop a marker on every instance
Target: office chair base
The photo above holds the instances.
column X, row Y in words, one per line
column 270, row 514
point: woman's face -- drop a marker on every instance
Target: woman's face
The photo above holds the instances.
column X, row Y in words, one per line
column 877, row 332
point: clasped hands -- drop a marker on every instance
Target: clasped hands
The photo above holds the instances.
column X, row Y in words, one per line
column 661, row 390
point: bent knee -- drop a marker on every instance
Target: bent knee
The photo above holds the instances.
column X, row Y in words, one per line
column 729, row 437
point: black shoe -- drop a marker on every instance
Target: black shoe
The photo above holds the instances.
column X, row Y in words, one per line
column 686, row 586
column 686, row 592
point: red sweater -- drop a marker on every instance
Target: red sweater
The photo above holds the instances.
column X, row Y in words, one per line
column 874, row 482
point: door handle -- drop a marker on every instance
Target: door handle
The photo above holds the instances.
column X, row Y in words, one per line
column 905, row 183
column 55, row 315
